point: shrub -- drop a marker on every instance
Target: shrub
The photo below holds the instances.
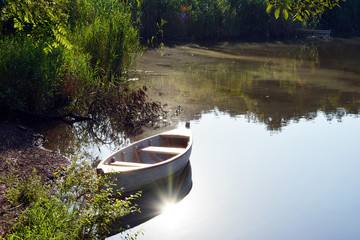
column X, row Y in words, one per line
column 104, row 44
column 80, row 205
column 24, row 190
column 105, row 31
column 29, row 78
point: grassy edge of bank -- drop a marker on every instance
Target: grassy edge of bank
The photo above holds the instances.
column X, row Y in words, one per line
column 51, row 202
column 18, row 146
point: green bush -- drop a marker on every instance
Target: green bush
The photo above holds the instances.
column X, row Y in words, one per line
column 80, row 205
column 24, row 190
column 29, row 77
column 105, row 31
column 46, row 219
column 38, row 76
column 43, row 21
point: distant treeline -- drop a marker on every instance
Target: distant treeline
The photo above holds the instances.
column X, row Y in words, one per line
column 343, row 21
column 213, row 20
column 217, row 20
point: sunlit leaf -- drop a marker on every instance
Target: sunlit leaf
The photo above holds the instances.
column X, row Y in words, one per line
column 268, row 9
column 277, row 13
column 285, row 14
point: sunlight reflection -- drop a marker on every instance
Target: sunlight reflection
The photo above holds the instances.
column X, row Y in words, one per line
column 171, row 214
column 169, row 209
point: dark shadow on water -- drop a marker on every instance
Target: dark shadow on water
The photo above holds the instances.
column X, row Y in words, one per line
column 172, row 189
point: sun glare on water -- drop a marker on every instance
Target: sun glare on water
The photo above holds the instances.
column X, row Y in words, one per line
column 171, row 213
column 169, row 209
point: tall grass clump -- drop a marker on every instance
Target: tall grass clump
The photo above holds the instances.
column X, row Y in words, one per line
column 58, row 70
column 29, row 77
column 80, row 205
column 105, row 31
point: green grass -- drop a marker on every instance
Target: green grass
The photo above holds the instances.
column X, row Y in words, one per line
column 29, row 77
column 80, row 205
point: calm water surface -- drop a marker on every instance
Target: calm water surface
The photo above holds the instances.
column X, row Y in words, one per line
column 301, row 183
column 276, row 151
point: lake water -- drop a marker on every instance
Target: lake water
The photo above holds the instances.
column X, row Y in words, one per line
column 249, row 183
column 276, row 149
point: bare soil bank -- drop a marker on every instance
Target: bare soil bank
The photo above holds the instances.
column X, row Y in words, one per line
column 21, row 148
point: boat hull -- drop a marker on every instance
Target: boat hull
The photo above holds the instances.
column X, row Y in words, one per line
column 172, row 189
column 148, row 167
column 138, row 179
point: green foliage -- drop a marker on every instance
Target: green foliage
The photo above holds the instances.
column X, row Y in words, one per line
column 153, row 12
column 91, row 196
column 23, row 191
column 81, row 205
column 211, row 20
column 344, row 21
column 301, row 10
column 42, row 20
column 56, row 53
column 29, row 77
column 105, row 31
column 39, row 71
column 46, row 219
column 216, row 20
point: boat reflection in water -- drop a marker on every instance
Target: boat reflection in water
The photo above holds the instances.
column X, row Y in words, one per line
column 156, row 196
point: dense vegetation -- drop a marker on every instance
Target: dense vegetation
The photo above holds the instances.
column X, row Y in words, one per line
column 212, row 20
column 344, row 21
column 71, row 59
column 69, row 56
column 254, row 20
column 74, row 207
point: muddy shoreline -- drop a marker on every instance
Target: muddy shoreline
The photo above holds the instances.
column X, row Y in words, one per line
column 21, row 148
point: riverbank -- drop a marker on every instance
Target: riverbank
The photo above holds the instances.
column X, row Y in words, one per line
column 21, row 148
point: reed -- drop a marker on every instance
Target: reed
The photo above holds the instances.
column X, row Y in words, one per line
column 108, row 36
column 29, row 77
column 104, row 44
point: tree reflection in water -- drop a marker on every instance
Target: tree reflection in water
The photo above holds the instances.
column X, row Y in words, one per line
column 274, row 84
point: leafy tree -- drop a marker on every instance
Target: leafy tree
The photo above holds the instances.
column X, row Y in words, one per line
column 344, row 21
column 42, row 20
column 302, row 10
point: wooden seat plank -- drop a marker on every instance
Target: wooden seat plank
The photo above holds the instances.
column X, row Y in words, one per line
column 164, row 150
column 173, row 136
column 128, row 164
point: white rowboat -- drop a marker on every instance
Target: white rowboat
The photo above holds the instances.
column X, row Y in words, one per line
column 149, row 160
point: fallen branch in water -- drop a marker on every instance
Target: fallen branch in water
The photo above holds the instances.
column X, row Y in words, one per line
column 68, row 118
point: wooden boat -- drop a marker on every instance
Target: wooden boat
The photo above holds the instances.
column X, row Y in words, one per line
column 149, row 160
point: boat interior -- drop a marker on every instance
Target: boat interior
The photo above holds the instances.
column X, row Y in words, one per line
column 149, row 151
